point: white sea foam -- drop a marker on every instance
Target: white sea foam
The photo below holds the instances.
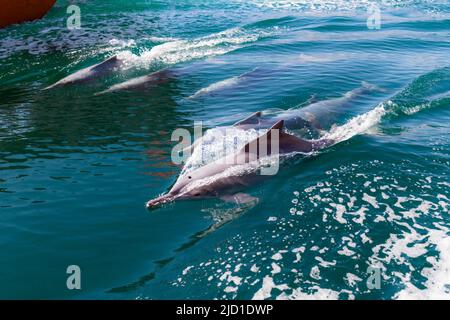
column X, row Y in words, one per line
column 266, row 289
column 316, row 294
column 352, row 279
column 122, row 43
column 411, row 249
column 327, row 5
column 162, row 39
column 216, row 143
column 437, row 285
column 358, row 124
column 414, row 243
column 177, row 51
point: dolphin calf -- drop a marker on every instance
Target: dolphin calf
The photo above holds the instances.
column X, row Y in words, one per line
column 90, row 73
column 142, row 83
column 217, row 179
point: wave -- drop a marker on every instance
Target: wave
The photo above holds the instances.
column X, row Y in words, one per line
column 342, row 5
column 362, row 123
column 359, row 124
column 177, row 51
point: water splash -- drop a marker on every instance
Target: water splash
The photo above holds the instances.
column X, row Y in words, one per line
column 177, row 51
column 359, row 124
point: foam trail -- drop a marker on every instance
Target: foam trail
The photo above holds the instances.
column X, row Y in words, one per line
column 362, row 123
column 358, row 124
column 185, row 50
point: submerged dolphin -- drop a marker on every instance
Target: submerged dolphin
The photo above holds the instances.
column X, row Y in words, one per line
column 209, row 181
column 90, row 73
column 224, row 84
column 142, row 83
column 323, row 114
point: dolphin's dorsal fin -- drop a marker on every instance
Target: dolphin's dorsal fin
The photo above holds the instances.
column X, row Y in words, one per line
column 111, row 60
column 252, row 119
column 278, row 125
column 267, row 136
column 287, row 142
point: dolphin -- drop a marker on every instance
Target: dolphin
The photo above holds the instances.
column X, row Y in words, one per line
column 209, row 181
column 313, row 117
column 224, row 84
column 142, row 83
column 90, row 73
column 322, row 114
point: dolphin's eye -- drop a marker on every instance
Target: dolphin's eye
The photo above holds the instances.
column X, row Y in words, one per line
column 190, row 177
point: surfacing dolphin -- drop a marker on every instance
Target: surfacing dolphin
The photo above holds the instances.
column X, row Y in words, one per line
column 217, row 179
column 90, row 73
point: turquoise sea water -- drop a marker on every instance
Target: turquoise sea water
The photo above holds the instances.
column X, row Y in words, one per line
column 77, row 168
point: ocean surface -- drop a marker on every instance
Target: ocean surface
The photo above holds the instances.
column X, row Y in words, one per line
column 76, row 168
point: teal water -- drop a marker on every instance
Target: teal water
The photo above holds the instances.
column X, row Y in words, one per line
column 76, row 168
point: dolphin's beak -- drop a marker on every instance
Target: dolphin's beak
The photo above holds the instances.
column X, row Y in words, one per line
column 159, row 201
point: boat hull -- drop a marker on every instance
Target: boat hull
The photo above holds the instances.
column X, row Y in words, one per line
column 17, row 11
